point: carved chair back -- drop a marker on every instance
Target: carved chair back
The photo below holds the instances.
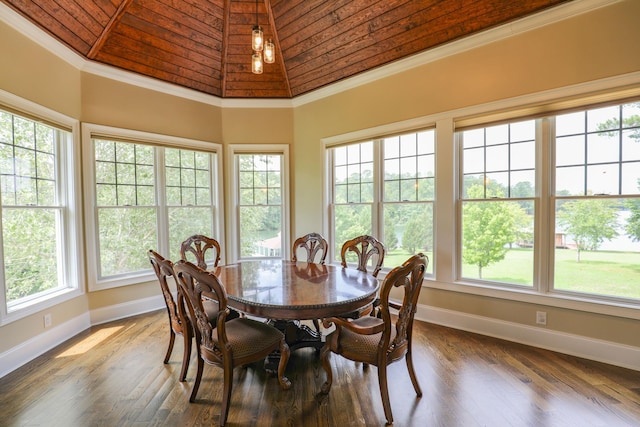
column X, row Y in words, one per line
column 199, row 246
column 314, row 244
column 367, row 248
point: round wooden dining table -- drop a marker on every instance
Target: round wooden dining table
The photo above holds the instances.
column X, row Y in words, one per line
column 276, row 288
column 286, row 292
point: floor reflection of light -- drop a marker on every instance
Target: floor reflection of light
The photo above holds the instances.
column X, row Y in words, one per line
column 90, row 342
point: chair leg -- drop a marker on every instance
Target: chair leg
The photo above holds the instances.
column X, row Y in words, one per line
column 226, row 392
column 196, row 383
column 326, row 364
column 186, row 356
column 172, row 338
column 384, row 393
column 285, row 384
column 412, row 374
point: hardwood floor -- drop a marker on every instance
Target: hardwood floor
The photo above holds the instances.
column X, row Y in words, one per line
column 113, row 375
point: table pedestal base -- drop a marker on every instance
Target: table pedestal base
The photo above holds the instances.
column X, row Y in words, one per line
column 297, row 335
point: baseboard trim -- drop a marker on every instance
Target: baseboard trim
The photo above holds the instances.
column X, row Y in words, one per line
column 126, row 309
column 575, row 345
column 23, row 353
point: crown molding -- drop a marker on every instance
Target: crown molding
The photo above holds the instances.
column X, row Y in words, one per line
column 538, row 20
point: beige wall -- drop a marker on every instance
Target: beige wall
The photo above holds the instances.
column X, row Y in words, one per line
column 112, row 103
column 33, row 73
column 588, row 47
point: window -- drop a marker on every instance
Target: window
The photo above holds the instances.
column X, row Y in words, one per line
column 597, row 201
column 498, row 202
column 147, row 196
column 40, row 258
column 591, row 200
column 385, row 188
column 260, row 181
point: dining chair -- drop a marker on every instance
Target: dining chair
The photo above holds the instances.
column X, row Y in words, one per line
column 179, row 321
column 231, row 343
column 178, row 325
column 314, row 245
column 199, row 246
column 195, row 249
column 367, row 249
column 380, row 341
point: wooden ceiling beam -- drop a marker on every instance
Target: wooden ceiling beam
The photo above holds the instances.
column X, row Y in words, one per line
column 95, row 49
column 276, row 40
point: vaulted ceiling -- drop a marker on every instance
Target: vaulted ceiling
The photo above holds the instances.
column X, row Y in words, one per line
column 205, row 44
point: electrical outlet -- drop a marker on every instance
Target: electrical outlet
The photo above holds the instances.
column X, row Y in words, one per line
column 47, row 320
column 541, row 317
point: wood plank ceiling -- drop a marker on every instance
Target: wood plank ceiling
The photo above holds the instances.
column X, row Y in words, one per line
column 205, row 44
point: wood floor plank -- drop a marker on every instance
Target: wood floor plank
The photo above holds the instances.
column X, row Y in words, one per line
column 113, row 375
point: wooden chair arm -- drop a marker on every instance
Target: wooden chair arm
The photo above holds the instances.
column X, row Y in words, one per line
column 367, row 325
column 395, row 305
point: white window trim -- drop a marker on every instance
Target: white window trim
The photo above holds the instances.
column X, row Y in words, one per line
column 447, row 208
column 73, row 253
column 233, row 245
column 89, row 130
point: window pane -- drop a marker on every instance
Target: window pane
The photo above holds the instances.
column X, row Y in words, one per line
column 603, row 179
column 125, row 236
column 570, row 124
column 473, row 138
column 473, row 160
column 497, row 241
column 522, row 184
column 570, row 150
column 391, row 168
column 498, row 158
column 187, row 177
column 185, row 222
column 354, row 174
column 403, row 167
column 124, row 171
column 523, row 131
column 260, row 231
column 33, row 226
column 523, row 155
column 426, row 165
column 30, row 240
column 261, row 205
column 408, row 145
column 603, row 147
column 350, row 221
column 607, row 147
column 408, row 230
column 406, row 170
column 497, row 135
column 603, row 118
column 570, row 181
column 631, row 144
column 597, row 245
column 631, row 178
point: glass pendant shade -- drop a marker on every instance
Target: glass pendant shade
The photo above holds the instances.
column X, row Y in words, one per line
column 257, row 39
column 256, row 63
column 269, row 52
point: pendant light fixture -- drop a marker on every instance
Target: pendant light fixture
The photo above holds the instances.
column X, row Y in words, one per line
column 269, row 52
column 259, row 46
